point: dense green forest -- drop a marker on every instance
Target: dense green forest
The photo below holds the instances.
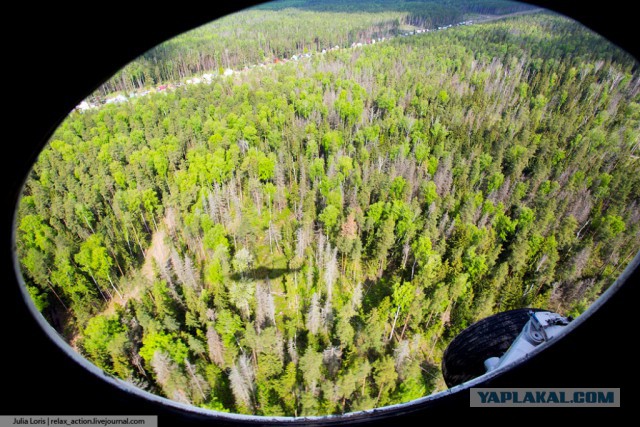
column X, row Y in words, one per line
column 307, row 238
column 283, row 28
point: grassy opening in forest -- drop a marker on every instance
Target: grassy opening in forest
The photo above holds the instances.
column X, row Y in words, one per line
column 294, row 209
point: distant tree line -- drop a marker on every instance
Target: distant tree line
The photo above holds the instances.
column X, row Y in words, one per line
column 283, row 28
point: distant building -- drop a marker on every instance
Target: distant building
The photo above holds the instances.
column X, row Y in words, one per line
column 116, row 99
column 84, row 106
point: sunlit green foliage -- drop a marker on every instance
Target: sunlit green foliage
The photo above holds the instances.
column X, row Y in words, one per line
column 306, row 238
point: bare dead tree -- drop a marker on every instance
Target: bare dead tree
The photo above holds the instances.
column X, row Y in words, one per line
column 242, row 380
column 405, row 254
column 174, row 293
column 580, row 260
column 162, row 367
column 292, row 350
column 326, row 316
column 214, row 205
column 443, row 177
column 178, row 266
column 330, row 269
column 280, row 199
column 216, row 348
column 314, row 318
column 197, row 381
column 301, row 242
column 309, row 271
column 504, row 192
column 190, row 274
column 265, row 307
column 443, row 224
column 581, row 207
column 332, row 359
column 320, row 240
column 449, row 231
column 401, row 355
column 356, row 297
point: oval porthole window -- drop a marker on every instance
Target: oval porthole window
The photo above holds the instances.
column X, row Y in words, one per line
column 292, row 211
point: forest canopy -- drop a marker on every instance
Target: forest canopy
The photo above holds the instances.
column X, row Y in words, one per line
column 305, row 238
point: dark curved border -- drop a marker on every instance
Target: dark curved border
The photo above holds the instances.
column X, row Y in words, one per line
column 412, row 407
